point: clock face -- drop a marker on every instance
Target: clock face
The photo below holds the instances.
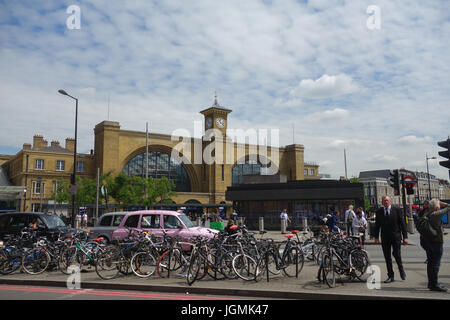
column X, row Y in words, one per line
column 220, row 122
column 208, row 123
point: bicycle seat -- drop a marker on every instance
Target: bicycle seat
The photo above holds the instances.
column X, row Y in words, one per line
column 295, row 231
column 100, row 239
column 262, row 232
column 233, row 227
column 289, row 236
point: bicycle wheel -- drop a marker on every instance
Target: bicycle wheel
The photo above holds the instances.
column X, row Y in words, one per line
column 359, row 262
column 143, row 264
column 9, row 262
column 328, row 270
column 293, row 262
column 70, row 257
column 245, row 267
column 108, row 264
column 169, row 260
column 226, row 266
column 35, row 261
column 195, row 265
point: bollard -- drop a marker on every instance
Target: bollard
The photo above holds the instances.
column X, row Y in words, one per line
column 283, row 226
column 305, row 224
column 199, row 221
column 261, row 223
column 410, row 225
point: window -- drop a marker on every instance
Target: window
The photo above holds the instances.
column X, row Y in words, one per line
column 60, row 164
column 106, row 221
column 305, row 172
column 38, row 187
column 132, row 221
column 250, row 167
column 117, row 220
column 223, row 173
column 39, row 165
column 172, row 222
column 80, row 166
column 311, row 172
column 160, row 164
column 151, row 221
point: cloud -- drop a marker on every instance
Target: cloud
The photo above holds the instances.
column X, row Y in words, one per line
column 325, row 87
column 334, row 114
column 414, row 140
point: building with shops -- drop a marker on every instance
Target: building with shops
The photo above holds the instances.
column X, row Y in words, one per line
column 376, row 186
column 39, row 167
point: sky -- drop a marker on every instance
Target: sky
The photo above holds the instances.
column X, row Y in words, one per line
column 328, row 74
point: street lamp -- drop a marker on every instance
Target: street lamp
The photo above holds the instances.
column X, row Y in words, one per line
column 428, row 175
column 73, row 178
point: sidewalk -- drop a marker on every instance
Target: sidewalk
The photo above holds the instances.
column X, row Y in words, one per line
column 279, row 286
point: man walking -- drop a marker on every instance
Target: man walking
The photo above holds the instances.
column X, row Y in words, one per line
column 433, row 244
column 392, row 224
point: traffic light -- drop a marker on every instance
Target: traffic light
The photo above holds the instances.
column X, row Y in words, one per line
column 409, row 187
column 394, row 181
column 446, row 154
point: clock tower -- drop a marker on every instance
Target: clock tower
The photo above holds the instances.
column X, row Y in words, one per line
column 216, row 117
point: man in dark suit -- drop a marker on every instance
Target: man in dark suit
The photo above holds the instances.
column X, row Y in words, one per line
column 391, row 222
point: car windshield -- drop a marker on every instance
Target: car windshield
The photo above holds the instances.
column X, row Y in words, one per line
column 54, row 221
column 187, row 222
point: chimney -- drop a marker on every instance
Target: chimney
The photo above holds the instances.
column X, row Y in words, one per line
column 39, row 142
column 55, row 143
column 26, row 146
column 70, row 144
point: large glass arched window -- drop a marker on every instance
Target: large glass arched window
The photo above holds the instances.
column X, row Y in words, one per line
column 250, row 167
column 160, row 164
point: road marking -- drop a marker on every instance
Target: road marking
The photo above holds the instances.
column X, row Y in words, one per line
column 69, row 293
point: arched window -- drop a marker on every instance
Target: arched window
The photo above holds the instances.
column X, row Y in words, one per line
column 250, row 167
column 160, row 164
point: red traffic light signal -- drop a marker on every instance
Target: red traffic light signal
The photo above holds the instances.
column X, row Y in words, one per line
column 409, row 185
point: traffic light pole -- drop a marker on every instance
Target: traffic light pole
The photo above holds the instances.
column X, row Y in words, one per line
column 403, row 194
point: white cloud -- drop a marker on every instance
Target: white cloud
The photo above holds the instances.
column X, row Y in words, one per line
column 414, row 140
column 334, row 114
column 325, row 87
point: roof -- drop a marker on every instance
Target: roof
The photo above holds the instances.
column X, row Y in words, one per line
column 375, row 174
column 55, row 149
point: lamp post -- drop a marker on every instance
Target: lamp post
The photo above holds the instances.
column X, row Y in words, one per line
column 73, row 178
column 428, row 175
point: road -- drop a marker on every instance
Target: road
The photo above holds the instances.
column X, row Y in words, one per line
column 9, row 292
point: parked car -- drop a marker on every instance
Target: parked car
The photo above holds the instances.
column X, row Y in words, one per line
column 158, row 222
column 12, row 223
column 106, row 224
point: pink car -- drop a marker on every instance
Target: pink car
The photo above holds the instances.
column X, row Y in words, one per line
column 155, row 221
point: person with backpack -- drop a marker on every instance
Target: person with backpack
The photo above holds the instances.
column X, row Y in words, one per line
column 349, row 216
column 429, row 226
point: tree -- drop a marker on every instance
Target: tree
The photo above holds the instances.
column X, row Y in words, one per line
column 61, row 193
column 164, row 190
column 366, row 200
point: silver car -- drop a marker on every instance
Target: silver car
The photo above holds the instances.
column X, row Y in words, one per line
column 107, row 223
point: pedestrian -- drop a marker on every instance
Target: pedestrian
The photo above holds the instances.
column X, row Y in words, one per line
column 391, row 222
column 284, row 215
column 333, row 221
column 348, row 218
column 359, row 226
column 433, row 243
column 234, row 216
column 421, row 213
column 85, row 219
column 79, row 219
